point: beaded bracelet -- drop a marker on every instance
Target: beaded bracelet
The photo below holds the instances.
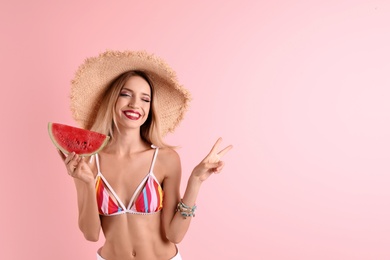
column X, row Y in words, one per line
column 186, row 211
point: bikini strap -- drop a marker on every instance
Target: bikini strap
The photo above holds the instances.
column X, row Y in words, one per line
column 154, row 159
column 97, row 162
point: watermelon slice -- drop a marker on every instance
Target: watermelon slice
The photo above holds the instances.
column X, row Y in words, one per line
column 72, row 139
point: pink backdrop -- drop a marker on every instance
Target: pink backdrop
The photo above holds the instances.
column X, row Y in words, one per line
column 301, row 88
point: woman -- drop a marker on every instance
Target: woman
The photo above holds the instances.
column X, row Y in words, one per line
column 130, row 189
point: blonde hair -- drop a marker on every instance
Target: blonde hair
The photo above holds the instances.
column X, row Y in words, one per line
column 105, row 118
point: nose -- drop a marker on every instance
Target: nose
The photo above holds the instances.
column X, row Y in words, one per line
column 133, row 103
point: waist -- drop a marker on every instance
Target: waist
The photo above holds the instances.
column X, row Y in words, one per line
column 133, row 231
column 143, row 251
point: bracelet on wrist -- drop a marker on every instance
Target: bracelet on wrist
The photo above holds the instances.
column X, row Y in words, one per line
column 185, row 210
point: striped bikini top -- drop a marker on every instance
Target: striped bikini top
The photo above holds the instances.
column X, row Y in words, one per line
column 147, row 198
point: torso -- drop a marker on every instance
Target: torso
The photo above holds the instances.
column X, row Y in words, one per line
column 132, row 236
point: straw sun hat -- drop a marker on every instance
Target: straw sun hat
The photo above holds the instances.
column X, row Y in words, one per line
column 96, row 73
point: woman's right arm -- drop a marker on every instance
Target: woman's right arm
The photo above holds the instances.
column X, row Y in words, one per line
column 89, row 220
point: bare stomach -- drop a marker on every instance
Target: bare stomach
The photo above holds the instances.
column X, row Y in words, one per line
column 135, row 237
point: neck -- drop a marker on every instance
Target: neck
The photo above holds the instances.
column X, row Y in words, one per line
column 127, row 143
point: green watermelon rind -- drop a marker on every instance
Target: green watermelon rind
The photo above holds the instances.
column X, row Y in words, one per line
column 63, row 150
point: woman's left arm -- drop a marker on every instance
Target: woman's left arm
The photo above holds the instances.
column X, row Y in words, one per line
column 175, row 224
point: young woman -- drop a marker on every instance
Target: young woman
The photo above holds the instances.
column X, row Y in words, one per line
column 130, row 190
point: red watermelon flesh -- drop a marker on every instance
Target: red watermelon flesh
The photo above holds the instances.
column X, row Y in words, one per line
column 72, row 139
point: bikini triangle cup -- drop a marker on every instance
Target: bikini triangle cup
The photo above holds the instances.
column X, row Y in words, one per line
column 147, row 198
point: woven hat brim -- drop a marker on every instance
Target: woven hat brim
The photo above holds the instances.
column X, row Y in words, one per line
column 95, row 74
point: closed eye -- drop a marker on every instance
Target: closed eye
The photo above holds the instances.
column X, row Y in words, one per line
column 129, row 93
column 125, row 94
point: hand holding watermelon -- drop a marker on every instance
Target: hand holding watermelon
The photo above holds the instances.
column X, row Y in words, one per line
column 77, row 167
column 73, row 145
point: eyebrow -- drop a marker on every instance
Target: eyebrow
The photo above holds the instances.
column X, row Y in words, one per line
column 145, row 94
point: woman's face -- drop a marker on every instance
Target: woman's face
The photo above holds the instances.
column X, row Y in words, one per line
column 133, row 104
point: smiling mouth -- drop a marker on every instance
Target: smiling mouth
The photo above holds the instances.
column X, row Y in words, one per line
column 133, row 115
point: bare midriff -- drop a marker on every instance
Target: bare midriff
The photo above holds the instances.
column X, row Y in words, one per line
column 134, row 236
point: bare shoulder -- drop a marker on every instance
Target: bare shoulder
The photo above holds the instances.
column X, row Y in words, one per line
column 168, row 156
column 169, row 159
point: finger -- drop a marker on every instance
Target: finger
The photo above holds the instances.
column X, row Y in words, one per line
column 69, row 158
column 77, row 158
column 62, row 155
column 219, row 167
column 76, row 165
column 79, row 165
column 215, row 146
column 80, row 159
column 224, row 151
column 209, row 166
column 216, row 171
column 72, row 162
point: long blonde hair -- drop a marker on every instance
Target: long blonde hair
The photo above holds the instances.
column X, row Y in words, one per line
column 105, row 120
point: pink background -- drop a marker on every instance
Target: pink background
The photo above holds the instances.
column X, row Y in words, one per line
column 301, row 88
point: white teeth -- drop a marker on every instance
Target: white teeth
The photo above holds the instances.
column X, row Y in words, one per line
column 133, row 114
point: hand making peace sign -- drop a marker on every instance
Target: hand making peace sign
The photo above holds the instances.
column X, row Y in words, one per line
column 211, row 163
